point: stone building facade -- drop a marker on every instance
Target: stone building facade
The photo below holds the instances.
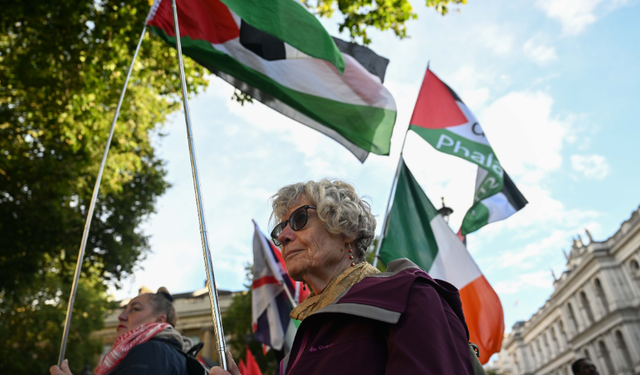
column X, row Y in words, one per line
column 194, row 319
column 593, row 312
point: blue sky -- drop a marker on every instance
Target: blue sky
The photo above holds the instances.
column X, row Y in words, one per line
column 555, row 85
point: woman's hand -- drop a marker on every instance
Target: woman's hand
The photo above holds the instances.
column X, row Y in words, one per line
column 233, row 368
column 64, row 369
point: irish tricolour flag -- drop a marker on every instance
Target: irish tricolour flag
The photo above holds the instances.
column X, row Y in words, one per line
column 280, row 54
column 415, row 230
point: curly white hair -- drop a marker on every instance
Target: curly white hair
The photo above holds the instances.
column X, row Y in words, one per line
column 338, row 206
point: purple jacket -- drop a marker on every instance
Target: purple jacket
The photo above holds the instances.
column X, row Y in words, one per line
column 398, row 322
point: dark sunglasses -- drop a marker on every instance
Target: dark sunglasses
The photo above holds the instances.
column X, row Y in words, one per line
column 297, row 220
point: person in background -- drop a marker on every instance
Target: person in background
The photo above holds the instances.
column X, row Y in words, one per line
column 357, row 320
column 147, row 342
column 584, row 366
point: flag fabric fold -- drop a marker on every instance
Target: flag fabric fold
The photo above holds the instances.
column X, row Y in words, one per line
column 271, row 305
column 497, row 207
column 443, row 120
column 415, row 230
column 289, row 21
column 352, row 107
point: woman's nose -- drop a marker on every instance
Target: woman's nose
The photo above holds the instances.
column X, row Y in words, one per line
column 123, row 316
column 287, row 235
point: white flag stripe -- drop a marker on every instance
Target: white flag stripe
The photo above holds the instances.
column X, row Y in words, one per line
column 472, row 129
column 499, row 207
column 317, row 77
column 453, row 262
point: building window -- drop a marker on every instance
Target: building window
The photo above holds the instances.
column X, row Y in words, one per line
column 515, row 360
column 562, row 332
column 634, row 265
column 586, row 354
column 572, row 317
column 548, row 350
column 586, row 306
column 606, row 358
column 540, row 352
column 555, row 339
column 533, row 354
column 622, row 346
column 601, row 296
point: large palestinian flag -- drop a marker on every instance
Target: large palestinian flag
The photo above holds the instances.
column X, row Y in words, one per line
column 441, row 118
column 279, row 54
column 415, row 230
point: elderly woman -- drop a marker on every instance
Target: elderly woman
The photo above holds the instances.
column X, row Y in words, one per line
column 147, row 342
column 357, row 320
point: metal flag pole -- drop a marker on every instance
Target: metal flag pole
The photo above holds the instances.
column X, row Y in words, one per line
column 386, row 211
column 213, row 289
column 391, row 194
column 92, row 205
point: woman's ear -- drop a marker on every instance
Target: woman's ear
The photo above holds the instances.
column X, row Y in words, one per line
column 351, row 240
column 161, row 318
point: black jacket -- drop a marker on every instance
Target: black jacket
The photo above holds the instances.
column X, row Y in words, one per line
column 156, row 356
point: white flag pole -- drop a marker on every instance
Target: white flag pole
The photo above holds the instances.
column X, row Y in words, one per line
column 213, row 289
column 92, row 205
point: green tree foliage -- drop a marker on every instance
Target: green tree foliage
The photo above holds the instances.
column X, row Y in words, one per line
column 237, row 326
column 31, row 328
column 360, row 15
column 62, row 66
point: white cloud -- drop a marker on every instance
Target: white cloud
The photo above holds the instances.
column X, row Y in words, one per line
column 525, row 136
column 498, row 40
column 539, row 279
column 470, row 85
column 539, row 52
column 576, row 15
column 592, row 166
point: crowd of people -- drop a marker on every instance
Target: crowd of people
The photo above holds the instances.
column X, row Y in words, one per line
column 356, row 320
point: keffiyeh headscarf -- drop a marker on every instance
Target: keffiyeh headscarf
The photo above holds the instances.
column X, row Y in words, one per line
column 127, row 341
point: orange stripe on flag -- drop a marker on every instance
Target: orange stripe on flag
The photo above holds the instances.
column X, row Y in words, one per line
column 484, row 316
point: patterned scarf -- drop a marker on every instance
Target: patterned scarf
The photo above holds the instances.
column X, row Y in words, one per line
column 333, row 290
column 127, row 341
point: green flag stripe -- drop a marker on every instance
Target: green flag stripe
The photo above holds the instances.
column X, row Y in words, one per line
column 453, row 144
column 290, row 22
column 350, row 120
column 476, row 218
column 409, row 234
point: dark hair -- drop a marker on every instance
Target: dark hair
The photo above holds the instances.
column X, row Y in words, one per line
column 575, row 366
column 162, row 302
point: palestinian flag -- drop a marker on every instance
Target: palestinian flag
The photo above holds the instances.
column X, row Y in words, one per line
column 443, row 120
column 279, row 54
column 497, row 207
column 415, row 230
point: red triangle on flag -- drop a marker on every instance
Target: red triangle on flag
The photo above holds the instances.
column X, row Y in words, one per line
column 436, row 107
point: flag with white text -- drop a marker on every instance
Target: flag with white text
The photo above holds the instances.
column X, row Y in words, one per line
column 442, row 119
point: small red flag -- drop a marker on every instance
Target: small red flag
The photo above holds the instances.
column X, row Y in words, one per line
column 242, row 368
column 252, row 367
